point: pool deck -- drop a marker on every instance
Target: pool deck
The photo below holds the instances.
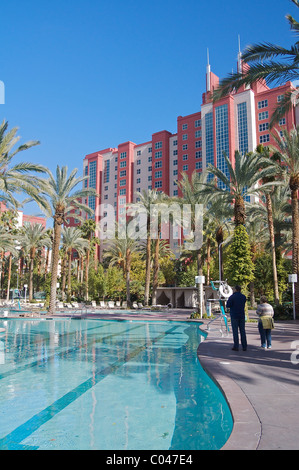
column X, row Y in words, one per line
column 261, row 386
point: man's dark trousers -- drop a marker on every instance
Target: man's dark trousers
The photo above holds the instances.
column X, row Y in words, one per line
column 239, row 324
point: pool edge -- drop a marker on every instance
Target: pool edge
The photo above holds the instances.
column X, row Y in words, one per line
column 246, row 432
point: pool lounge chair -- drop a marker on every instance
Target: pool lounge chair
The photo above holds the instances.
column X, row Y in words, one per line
column 110, row 304
column 134, row 305
column 124, row 304
column 103, row 304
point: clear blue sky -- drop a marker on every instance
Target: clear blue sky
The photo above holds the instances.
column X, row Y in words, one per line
column 83, row 75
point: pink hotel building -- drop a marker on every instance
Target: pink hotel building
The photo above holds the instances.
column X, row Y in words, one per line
column 239, row 121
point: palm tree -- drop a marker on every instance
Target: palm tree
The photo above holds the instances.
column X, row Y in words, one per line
column 264, row 67
column 88, row 232
column 57, row 200
column 146, row 200
column 267, row 192
column 16, row 178
column 72, row 240
column 33, row 238
column 288, row 146
column 119, row 252
column 243, row 180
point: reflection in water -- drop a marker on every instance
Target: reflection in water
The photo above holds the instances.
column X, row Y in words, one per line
column 108, row 385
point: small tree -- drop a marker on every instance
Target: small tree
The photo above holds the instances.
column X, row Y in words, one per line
column 239, row 267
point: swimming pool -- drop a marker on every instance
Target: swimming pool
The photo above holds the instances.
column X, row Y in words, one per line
column 110, row 385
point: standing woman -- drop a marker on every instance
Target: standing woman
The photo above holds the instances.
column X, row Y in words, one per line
column 266, row 324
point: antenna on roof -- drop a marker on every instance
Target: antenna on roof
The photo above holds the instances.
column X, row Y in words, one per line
column 239, row 56
column 208, row 78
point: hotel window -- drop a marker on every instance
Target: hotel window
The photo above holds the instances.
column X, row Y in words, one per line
column 185, row 156
column 222, row 140
column 175, row 172
column 198, row 154
column 106, row 196
column 279, row 98
column 138, row 153
column 123, row 173
column 138, row 171
column 175, row 152
column 138, row 162
column 264, row 138
column 185, row 136
column 158, row 145
column 198, row 144
column 158, row 164
column 242, row 128
column 149, row 168
column 106, row 188
column 123, row 164
column 138, row 180
column 175, row 142
column 123, row 155
column 122, row 192
column 209, row 139
column 158, row 154
column 175, row 182
column 263, row 115
column 158, row 184
column 158, row 174
column 175, row 162
column 175, row 192
column 150, row 159
column 263, row 127
column 185, row 167
column 138, row 190
column 149, row 178
column 282, row 121
column 198, row 165
column 197, row 134
column 122, row 182
column 262, row 104
column 185, row 147
column 184, row 127
column 106, row 172
column 197, row 123
column 150, row 150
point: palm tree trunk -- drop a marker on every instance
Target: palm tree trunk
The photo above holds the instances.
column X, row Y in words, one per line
column 128, row 268
column 147, row 266
column 54, row 267
column 87, row 273
column 63, row 277
column 156, row 270
column 239, row 211
column 208, row 260
column 9, row 277
column 272, row 241
column 295, row 245
column 69, row 277
column 31, row 277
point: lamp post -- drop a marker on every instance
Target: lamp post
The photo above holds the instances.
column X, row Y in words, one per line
column 293, row 280
column 25, row 287
column 200, row 280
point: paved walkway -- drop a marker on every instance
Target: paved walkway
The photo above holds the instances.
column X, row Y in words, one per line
column 261, row 386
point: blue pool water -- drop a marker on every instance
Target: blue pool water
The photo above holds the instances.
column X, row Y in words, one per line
column 114, row 385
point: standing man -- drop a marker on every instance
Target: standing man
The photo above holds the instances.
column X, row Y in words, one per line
column 236, row 303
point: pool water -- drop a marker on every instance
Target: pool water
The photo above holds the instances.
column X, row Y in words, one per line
column 110, row 385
